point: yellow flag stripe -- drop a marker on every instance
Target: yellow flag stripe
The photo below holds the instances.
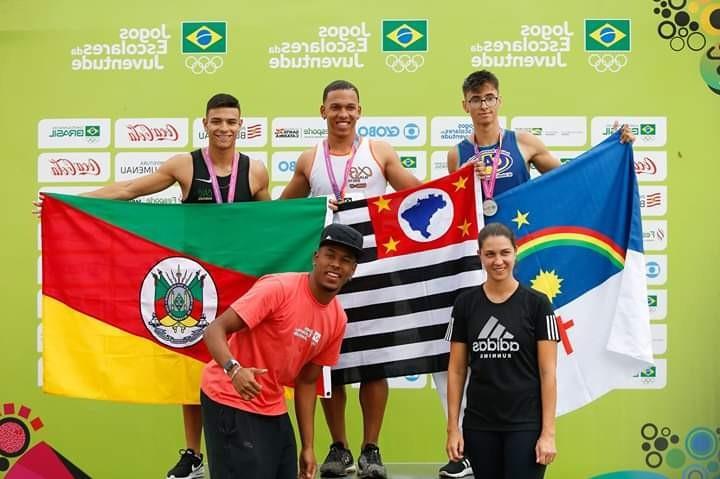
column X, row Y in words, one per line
column 84, row 357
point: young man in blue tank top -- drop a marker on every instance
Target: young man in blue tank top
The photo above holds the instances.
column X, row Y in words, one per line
column 512, row 153
column 316, row 174
column 195, row 173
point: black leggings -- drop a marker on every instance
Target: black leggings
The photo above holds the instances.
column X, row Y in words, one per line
column 243, row 445
column 503, row 454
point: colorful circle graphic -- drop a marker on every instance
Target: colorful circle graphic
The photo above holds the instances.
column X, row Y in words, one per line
column 675, row 458
column 14, row 437
column 694, row 471
column 701, row 443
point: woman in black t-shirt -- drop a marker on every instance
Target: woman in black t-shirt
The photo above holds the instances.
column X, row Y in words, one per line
column 507, row 334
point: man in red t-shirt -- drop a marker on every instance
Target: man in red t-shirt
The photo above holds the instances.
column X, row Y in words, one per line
column 282, row 331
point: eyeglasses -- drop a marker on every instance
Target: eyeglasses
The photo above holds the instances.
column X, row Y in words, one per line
column 490, row 101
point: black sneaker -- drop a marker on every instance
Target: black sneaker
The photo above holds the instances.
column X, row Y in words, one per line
column 338, row 462
column 190, row 466
column 457, row 468
column 370, row 464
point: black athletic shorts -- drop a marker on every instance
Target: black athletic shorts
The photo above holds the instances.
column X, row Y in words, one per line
column 243, row 445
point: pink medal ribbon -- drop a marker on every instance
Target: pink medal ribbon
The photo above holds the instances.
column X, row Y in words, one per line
column 489, row 205
column 214, row 180
column 339, row 191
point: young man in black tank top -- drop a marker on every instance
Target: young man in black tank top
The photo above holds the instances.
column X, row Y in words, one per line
column 192, row 171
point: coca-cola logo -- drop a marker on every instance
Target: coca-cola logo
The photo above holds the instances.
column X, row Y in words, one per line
column 66, row 167
column 646, row 166
column 143, row 132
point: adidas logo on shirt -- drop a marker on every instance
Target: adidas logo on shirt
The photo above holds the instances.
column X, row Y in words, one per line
column 495, row 338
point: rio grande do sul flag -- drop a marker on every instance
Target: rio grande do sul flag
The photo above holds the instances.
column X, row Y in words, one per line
column 579, row 239
column 129, row 288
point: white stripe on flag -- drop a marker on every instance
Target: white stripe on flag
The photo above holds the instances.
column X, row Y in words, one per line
column 393, row 353
column 419, row 259
column 353, row 216
column 398, row 323
column 410, row 291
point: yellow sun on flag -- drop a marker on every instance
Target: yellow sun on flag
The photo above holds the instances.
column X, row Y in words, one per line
column 547, row 282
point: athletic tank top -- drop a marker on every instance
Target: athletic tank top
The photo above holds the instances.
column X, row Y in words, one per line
column 366, row 178
column 512, row 170
column 201, row 190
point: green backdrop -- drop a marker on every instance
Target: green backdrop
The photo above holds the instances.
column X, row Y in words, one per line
column 82, row 80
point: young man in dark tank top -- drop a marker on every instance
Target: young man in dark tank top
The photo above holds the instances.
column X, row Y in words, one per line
column 216, row 174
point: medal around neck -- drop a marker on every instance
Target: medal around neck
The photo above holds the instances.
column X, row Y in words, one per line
column 489, row 207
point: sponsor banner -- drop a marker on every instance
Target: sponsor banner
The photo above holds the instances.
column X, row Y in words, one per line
column 650, row 130
column 67, row 190
column 136, row 48
column 169, row 196
column 415, row 162
column 416, row 381
column 136, row 164
column 659, row 338
column 74, row 133
column 252, row 133
column 657, row 302
column 276, row 191
column 438, row 164
column 151, row 132
column 563, row 156
column 298, row 131
column 283, row 165
column 260, row 156
column 564, row 131
column 653, row 200
column 451, row 130
column 73, row 167
column 654, row 235
column 323, row 47
column 650, row 165
column 656, row 269
column 398, row 131
column 654, row 377
column 533, row 46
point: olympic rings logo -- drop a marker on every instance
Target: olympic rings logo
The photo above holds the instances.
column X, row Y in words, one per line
column 204, row 64
column 607, row 62
column 404, row 63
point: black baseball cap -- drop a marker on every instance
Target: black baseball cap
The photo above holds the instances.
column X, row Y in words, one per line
column 336, row 233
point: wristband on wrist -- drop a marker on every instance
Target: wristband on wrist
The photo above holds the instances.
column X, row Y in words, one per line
column 230, row 365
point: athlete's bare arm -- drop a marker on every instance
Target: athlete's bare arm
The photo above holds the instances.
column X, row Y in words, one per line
column 535, row 152
column 398, row 177
column 299, row 185
column 177, row 168
column 259, row 181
